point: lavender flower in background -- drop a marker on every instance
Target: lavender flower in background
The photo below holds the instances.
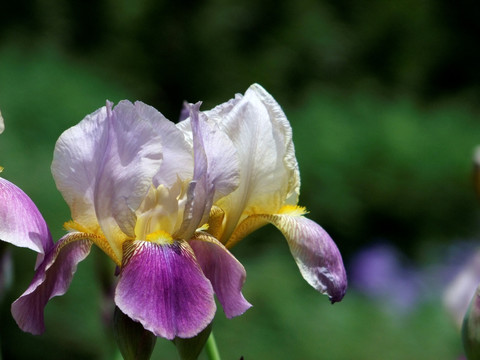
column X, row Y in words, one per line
column 380, row 272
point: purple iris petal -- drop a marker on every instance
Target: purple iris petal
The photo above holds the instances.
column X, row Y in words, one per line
column 315, row 253
column 52, row 278
column 21, row 223
column 226, row 274
column 162, row 287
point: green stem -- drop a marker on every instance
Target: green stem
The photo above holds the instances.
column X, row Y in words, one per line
column 211, row 347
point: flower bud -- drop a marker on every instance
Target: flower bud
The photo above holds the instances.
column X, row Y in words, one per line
column 134, row 342
column 189, row 349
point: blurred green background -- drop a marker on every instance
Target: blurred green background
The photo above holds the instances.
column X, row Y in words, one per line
column 383, row 101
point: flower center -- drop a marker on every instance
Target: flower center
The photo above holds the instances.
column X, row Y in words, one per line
column 160, row 237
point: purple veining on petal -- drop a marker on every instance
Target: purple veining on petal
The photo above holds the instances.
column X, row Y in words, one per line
column 226, row 274
column 163, row 288
column 52, row 278
column 21, row 223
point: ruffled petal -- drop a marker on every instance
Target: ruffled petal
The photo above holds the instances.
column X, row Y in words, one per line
column 177, row 151
column 224, row 271
column 76, row 162
column 52, row 278
column 21, row 223
column 262, row 137
column 315, row 253
column 104, row 167
column 162, row 287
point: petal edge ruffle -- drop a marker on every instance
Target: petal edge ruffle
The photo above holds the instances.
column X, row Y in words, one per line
column 52, row 278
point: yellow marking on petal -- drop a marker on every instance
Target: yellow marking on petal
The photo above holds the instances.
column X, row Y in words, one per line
column 293, row 210
column 74, row 226
column 247, row 226
column 204, row 227
column 160, row 237
column 215, row 222
column 97, row 239
column 256, row 221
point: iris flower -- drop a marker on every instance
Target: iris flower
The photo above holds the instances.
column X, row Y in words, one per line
column 166, row 201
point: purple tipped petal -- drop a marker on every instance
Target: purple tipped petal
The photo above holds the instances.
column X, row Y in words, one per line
column 52, row 278
column 224, row 271
column 21, row 223
column 315, row 253
column 162, row 287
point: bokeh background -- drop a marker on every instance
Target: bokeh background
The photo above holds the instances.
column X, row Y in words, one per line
column 383, row 101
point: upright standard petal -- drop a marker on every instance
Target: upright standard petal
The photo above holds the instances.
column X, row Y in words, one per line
column 177, row 152
column 162, row 287
column 76, row 160
column 216, row 171
column 21, row 223
column 52, row 278
column 262, row 137
column 224, row 271
column 104, row 167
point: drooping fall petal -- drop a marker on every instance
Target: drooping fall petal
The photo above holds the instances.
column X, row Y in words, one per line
column 224, row 271
column 162, row 287
column 52, row 278
column 21, row 223
column 315, row 253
